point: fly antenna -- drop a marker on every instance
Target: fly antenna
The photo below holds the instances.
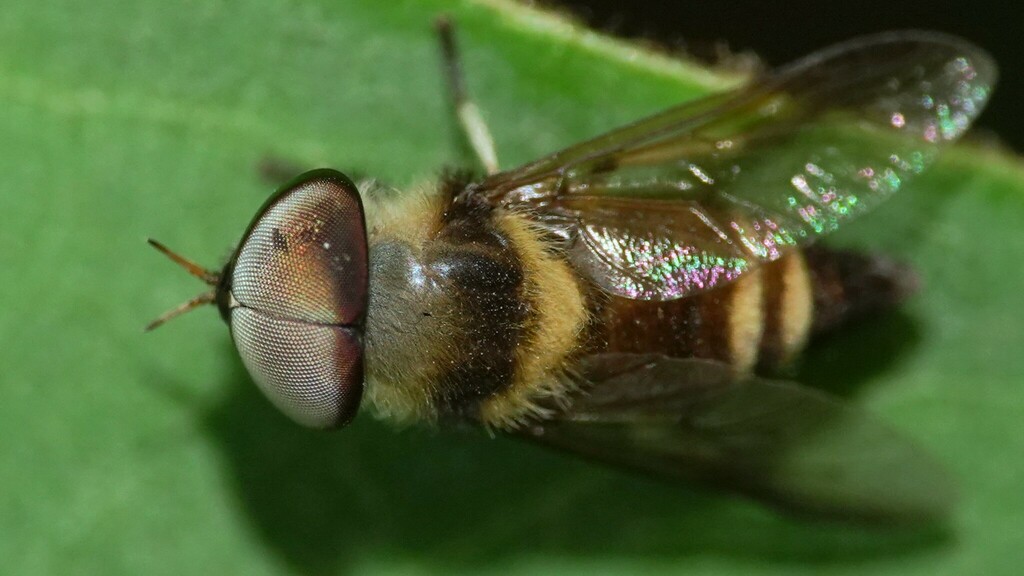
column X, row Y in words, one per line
column 201, row 300
column 210, row 277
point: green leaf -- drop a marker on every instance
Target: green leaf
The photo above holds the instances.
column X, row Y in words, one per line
column 132, row 454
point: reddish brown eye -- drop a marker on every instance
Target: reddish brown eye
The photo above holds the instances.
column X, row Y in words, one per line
column 299, row 288
column 304, row 257
column 311, row 372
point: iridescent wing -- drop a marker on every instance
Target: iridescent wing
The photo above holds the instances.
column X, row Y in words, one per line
column 782, row 443
column 697, row 195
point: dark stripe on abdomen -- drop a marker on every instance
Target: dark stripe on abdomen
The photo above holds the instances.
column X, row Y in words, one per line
column 847, row 285
column 694, row 327
column 484, row 275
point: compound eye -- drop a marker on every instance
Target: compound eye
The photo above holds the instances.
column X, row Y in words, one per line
column 298, row 287
column 305, row 255
column 311, row 372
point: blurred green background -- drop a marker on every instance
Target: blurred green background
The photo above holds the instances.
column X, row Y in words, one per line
column 132, row 454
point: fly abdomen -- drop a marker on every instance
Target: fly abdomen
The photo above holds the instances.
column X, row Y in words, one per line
column 848, row 285
column 764, row 319
column 724, row 324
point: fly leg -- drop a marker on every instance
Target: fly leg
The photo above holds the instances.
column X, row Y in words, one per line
column 278, row 170
column 472, row 123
